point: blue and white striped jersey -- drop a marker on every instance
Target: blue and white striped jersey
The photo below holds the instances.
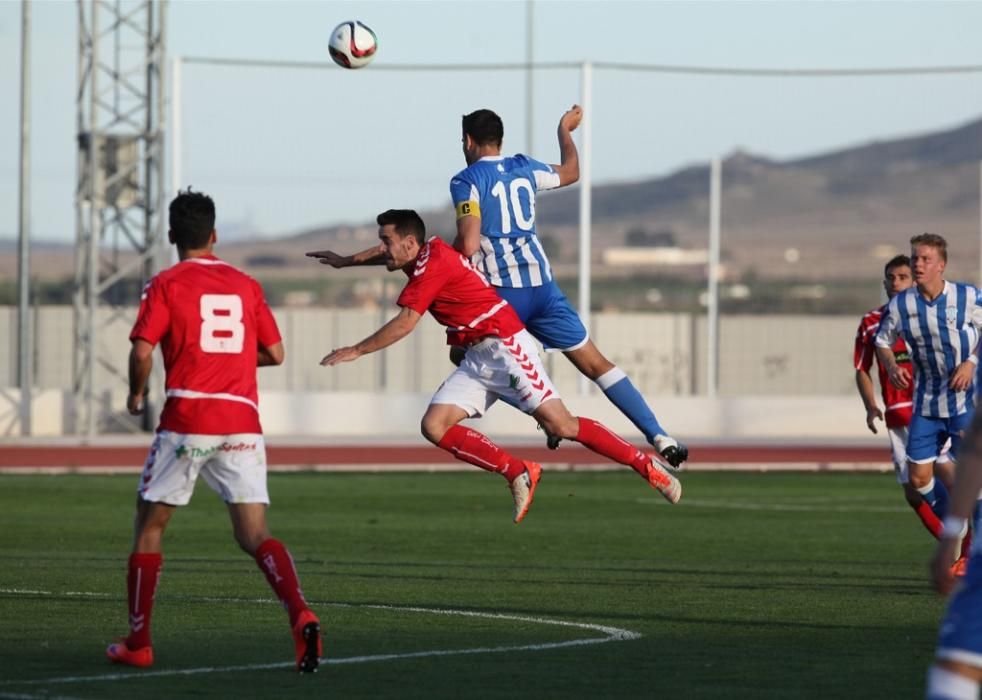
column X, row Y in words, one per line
column 501, row 192
column 941, row 334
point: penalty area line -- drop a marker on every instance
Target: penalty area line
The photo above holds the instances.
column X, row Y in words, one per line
column 610, row 634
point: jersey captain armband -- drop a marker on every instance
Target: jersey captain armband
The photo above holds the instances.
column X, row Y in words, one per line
column 468, row 208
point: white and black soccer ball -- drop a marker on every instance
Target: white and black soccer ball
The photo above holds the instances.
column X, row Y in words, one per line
column 353, row 44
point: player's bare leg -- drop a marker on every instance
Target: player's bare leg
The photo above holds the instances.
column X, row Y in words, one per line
column 556, row 419
column 622, row 393
column 934, row 492
column 253, row 536
column 440, row 426
column 143, row 573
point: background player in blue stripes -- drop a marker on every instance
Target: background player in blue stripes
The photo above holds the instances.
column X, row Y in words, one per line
column 957, row 667
column 940, row 321
column 494, row 197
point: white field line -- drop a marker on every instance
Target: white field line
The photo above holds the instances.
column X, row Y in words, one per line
column 794, row 507
column 611, row 634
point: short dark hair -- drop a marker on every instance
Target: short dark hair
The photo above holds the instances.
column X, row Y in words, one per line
column 933, row 240
column 896, row 261
column 406, row 221
column 484, row 126
column 192, row 219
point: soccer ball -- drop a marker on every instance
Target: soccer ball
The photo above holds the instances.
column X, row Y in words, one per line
column 353, row 45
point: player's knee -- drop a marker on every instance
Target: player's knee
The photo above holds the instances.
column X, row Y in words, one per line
column 249, row 540
column 566, row 427
column 920, row 478
column 591, row 362
column 432, row 429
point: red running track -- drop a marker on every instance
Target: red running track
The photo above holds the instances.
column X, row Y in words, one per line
column 129, row 456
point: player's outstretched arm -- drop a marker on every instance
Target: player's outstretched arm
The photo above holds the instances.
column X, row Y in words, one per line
column 141, row 360
column 569, row 165
column 370, row 256
column 395, row 330
column 272, row 355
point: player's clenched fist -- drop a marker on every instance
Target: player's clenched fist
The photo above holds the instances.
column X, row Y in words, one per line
column 572, row 118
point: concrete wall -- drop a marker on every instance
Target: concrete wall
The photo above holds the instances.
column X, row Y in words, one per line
column 365, row 415
column 795, row 366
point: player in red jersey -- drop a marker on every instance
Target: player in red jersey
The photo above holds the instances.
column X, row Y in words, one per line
column 214, row 328
column 501, row 361
column 898, row 403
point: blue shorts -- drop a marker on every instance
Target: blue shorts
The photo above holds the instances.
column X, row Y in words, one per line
column 548, row 316
column 928, row 435
column 960, row 638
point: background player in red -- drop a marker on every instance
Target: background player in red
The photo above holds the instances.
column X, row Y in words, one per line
column 214, row 329
column 898, row 403
column 501, row 361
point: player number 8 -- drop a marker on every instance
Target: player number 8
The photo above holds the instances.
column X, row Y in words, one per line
column 222, row 330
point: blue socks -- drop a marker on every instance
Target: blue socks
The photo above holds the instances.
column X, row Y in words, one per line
column 936, row 496
column 623, row 394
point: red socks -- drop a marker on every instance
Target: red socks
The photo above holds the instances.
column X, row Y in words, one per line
column 276, row 562
column 143, row 572
column 476, row 448
column 930, row 520
column 601, row 440
column 935, row 526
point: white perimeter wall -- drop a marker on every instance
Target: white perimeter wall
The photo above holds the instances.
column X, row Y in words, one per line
column 786, row 376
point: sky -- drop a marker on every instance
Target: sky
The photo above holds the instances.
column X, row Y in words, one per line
column 285, row 150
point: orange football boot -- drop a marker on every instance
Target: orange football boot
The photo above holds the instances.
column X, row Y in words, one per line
column 119, row 653
column 307, row 639
column 523, row 488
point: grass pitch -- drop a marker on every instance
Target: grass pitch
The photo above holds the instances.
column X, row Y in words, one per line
column 755, row 586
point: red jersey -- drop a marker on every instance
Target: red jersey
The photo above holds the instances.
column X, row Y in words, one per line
column 899, row 402
column 210, row 320
column 445, row 283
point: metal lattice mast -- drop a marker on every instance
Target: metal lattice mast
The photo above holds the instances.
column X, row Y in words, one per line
column 119, row 196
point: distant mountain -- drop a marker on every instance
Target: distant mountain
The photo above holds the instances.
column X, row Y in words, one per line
column 843, row 210
column 844, row 213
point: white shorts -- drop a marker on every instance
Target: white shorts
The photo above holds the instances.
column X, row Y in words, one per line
column 494, row 368
column 898, row 447
column 233, row 465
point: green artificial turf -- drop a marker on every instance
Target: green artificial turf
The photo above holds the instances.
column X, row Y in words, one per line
column 755, row 586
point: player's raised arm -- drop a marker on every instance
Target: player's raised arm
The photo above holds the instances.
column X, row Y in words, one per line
column 395, row 330
column 569, row 166
column 370, row 256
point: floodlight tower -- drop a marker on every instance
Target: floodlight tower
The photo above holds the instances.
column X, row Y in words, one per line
column 119, row 195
